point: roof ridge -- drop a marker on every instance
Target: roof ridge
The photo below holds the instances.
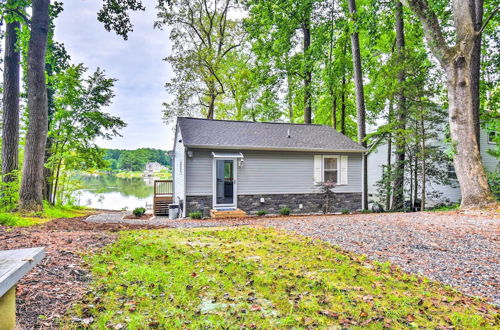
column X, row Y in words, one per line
column 254, row 122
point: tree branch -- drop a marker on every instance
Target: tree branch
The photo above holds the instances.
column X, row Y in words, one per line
column 488, row 19
column 432, row 29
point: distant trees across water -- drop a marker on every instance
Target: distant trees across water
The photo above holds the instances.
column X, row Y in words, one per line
column 135, row 160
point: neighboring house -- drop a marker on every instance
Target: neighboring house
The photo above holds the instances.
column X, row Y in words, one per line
column 153, row 167
column 436, row 193
column 263, row 166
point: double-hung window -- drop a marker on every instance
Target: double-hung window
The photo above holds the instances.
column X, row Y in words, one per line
column 331, row 169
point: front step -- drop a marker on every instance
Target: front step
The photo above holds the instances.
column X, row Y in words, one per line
column 221, row 214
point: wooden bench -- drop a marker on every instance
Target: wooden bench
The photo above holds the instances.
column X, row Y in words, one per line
column 14, row 264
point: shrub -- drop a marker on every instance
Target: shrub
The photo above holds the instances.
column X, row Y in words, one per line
column 366, row 211
column 139, row 211
column 8, row 219
column 285, row 210
column 195, row 215
column 345, row 211
column 261, row 213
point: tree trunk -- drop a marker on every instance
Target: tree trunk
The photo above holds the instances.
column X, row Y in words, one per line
column 334, row 112
column 360, row 101
column 289, row 96
column 399, row 175
column 389, row 160
column 211, row 106
column 468, row 166
column 460, row 64
column 30, row 196
column 308, row 72
column 476, row 70
column 424, row 164
column 10, row 132
column 342, row 96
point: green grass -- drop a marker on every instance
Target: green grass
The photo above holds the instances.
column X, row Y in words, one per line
column 49, row 213
column 251, row 277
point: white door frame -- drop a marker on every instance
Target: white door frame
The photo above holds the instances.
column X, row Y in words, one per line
column 214, row 182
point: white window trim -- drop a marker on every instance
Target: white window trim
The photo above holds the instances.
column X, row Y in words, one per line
column 488, row 140
column 337, row 157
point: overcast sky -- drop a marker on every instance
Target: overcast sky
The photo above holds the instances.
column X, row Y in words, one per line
column 136, row 63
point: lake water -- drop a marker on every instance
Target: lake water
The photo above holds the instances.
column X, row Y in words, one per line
column 114, row 193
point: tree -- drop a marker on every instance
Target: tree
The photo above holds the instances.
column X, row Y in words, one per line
column 78, row 120
column 30, row 196
column 11, row 88
column 203, row 36
column 360, row 99
column 459, row 62
column 399, row 136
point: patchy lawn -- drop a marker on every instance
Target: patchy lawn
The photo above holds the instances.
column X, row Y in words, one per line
column 49, row 213
column 256, row 277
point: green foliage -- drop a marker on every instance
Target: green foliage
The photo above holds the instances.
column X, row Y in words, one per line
column 366, row 211
column 285, row 210
column 345, row 211
column 445, row 207
column 139, row 211
column 261, row 212
column 195, row 215
column 494, row 181
column 135, row 160
column 234, row 278
column 10, row 192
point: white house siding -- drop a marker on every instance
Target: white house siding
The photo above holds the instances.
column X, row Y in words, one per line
column 179, row 168
column 268, row 172
column 378, row 157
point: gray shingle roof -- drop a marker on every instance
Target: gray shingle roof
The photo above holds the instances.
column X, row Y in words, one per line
column 206, row 133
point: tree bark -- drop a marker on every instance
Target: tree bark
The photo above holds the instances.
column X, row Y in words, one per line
column 360, row 100
column 334, row 112
column 424, row 165
column 308, row 72
column 476, row 69
column 399, row 175
column 30, row 197
column 342, row 106
column 11, row 81
column 457, row 62
column 389, row 160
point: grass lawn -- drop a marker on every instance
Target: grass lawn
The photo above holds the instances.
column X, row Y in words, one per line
column 49, row 213
column 255, row 277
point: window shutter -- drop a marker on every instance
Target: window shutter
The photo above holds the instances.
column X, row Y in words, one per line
column 318, row 168
column 343, row 169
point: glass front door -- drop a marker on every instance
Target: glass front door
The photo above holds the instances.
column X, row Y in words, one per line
column 225, row 182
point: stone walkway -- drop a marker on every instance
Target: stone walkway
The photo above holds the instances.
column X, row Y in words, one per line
column 118, row 217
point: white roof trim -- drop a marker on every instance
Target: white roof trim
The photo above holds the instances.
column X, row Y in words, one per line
column 227, row 155
column 318, row 150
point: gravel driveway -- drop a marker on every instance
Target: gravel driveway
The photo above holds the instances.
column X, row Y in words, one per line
column 460, row 250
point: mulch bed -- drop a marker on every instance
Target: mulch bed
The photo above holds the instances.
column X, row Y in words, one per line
column 61, row 278
column 142, row 217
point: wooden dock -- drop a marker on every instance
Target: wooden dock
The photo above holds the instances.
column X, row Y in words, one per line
column 162, row 197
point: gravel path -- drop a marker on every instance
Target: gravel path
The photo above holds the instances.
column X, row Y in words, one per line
column 117, row 218
column 460, row 250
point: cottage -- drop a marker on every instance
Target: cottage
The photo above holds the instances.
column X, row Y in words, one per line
column 220, row 164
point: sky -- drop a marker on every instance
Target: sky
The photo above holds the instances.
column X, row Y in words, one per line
column 137, row 63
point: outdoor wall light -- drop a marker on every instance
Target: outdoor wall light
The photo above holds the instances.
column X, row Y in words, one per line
column 262, row 200
column 190, row 154
column 241, row 163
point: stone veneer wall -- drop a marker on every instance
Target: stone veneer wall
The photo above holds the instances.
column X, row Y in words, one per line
column 311, row 203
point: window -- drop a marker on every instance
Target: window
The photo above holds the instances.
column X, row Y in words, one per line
column 451, row 172
column 330, row 169
column 492, row 137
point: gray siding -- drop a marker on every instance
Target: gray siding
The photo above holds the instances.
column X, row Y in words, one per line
column 268, row 172
column 489, row 162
